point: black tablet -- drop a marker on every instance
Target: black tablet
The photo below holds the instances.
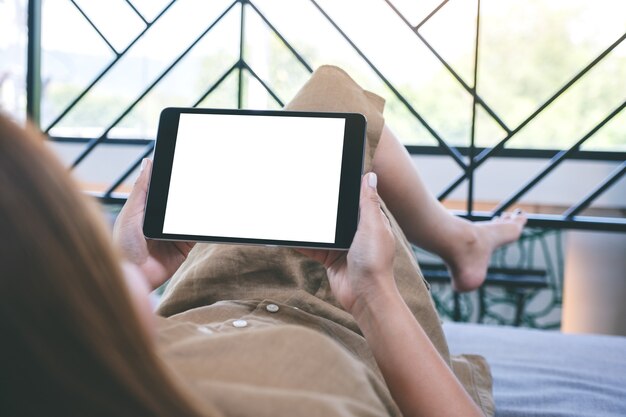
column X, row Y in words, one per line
column 257, row 177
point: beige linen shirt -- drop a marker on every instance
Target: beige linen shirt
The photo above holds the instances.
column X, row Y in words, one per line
column 256, row 330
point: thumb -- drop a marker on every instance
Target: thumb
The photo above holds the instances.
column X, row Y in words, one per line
column 137, row 196
column 370, row 201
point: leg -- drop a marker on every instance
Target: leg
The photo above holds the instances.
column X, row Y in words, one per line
column 464, row 246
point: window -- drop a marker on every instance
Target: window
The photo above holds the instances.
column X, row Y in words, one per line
column 13, row 38
column 548, row 73
column 527, row 51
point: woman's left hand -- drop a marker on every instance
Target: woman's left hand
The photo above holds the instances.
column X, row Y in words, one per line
column 157, row 259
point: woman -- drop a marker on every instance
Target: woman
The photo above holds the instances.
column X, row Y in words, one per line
column 73, row 343
column 252, row 331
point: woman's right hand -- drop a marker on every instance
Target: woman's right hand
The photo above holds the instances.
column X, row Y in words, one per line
column 366, row 271
column 363, row 283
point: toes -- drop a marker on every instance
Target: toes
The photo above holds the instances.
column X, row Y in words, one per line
column 519, row 216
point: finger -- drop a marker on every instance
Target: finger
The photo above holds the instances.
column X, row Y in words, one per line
column 369, row 194
column 137, row 196
column 369, row 204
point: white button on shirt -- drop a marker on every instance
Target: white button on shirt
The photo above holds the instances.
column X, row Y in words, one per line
column 272, row 308
column 240, row 323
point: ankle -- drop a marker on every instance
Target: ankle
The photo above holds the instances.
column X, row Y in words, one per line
column 463, row 235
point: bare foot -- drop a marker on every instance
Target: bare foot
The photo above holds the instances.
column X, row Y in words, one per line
column 469, row 259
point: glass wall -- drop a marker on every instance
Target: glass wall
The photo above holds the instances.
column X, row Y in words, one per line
column 527, row 51
column 13, row 39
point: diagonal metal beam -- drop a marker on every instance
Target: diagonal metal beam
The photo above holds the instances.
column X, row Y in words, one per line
column 443, row 62
column 613, row 177
column 281, row 37
column 431, row 14
column 93, row 25
column 120, row 180
column 152, row 144
column 216, row 84
column 106, row 69
column 93, row 143
column 479, row 99
column 137, row 12
column 453, row 153
column 482, row 157
column 265, row 86
column 147, row 151
column 555, row 162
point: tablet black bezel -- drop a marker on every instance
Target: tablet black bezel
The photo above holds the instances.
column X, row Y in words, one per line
column 349, row 188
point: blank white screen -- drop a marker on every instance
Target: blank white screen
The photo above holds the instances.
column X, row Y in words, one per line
column 257, row 177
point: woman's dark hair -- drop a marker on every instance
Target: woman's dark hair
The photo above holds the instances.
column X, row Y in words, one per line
column 72, row 343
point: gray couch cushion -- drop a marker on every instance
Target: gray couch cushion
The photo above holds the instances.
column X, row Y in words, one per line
column 546, row 373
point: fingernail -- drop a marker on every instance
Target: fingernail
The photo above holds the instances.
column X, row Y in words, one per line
column 144, row 162
column 372, row 180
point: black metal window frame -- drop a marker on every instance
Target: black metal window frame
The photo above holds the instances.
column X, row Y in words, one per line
column 475, row 156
